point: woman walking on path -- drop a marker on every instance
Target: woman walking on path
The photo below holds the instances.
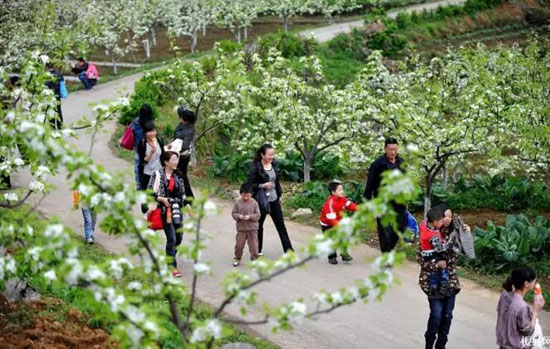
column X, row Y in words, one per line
column 441, row 308
column 168, row 190
column 264, row 177
column 516, row 320
column 138, row 125
column 150, row 150
column 186, row 132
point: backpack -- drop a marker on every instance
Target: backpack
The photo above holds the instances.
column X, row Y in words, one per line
column 63, row 93
column 127, row 139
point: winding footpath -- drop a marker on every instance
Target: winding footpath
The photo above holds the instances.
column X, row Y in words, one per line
column 398, row 321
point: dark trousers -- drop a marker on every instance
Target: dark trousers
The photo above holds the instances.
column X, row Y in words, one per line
column 144, row 181
column 277, row 217
column 173, row 238
column 387, row 236
column 183, row 166
column 57, row 122
column 88, row 83
column 439, row 322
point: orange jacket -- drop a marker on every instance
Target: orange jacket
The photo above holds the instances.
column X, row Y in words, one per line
column 332, row 210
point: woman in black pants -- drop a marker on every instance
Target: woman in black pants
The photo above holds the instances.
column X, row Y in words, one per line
column 168, row 189
column 264, row 177
column 186, row 132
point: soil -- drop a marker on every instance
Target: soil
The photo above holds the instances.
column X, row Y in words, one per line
column 214, row 34
column 46, row 324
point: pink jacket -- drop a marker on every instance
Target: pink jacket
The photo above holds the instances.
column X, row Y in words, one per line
column 91, row 72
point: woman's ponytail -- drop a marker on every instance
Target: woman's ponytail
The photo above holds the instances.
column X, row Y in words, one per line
column 507, row 284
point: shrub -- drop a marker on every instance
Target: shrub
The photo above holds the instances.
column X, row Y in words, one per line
column 517, row 242
column 290, row 45
column 315, row 193
column 145, row 91
column 230, row 46
column 349, row 46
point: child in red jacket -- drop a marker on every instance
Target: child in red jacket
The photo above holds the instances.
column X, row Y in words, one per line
column 331, row 213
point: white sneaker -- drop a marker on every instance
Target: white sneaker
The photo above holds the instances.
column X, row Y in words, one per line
column 90, row 240
column 260, row 253
column 236, row 262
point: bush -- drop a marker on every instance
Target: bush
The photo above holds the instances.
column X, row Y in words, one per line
column 518, row 242
column 145, row 91
column 350, row 46
column 290, row 45
column 230, row 46
column 507, row 194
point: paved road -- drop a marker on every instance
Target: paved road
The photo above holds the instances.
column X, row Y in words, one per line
column 327, row 33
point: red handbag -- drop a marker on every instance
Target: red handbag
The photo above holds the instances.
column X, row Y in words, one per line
column 127, row 139
column 154, row 218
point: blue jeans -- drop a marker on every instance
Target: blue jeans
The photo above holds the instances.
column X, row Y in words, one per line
column 439, row 322
column 88, row 83
column 89, row 222
column 439, row 278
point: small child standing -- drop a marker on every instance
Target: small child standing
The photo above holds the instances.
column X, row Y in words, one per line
column 331, row 213
column 246, row 212
column 89, row 218
column 434, row 249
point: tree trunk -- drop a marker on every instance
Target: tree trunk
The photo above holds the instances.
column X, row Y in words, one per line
column 153, row 36
column 147, row 47
column 308, row 160
column 203, row 30
column 115, row 70
column 285, row 23
column 245, row 33
column 427, row 195
column 444, row 176
column 194, row 42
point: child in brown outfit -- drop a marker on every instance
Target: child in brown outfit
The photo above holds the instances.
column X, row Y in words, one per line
column 246, row 212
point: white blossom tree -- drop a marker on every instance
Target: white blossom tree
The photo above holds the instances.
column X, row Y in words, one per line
column 237, row 16
column 289, row 110
column 286, row 9
column 187, row 18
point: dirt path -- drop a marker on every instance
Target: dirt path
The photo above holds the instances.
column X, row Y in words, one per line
column 327, row 33
column 397, row 322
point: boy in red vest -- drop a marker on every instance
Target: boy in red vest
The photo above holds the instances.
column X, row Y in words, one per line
column 332, row 211
column 434, row 248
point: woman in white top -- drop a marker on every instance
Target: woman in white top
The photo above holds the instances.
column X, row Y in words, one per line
column 150, row 149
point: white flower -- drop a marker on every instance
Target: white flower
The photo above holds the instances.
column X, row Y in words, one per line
column 44, row 58
column 36, row 186
column 11, row 197
column 411, row 147
column 50, row 275
column 124, row 101
column 323, row 246
column 72, row 277
column 298, row 309
column 18, row 162
column 201, row 268
column 94, row 273
column 134, row 285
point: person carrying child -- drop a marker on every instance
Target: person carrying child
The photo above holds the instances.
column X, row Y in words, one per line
column 246, row 212
column 433, row 248
column 332, row 211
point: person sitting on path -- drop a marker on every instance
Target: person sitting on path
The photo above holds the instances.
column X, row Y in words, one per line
column 87, row 73
column 168, row 190
column 389, row 161
column 264, row 177
column 138, row 125
column 515, row 319
column 55, row 86
column 186, row 132
column 331, row 214
column 150, row 150
column 246, row 213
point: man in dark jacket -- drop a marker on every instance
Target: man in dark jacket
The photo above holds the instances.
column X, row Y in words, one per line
column 389, row 161
column 55, row 85
column 80, row 69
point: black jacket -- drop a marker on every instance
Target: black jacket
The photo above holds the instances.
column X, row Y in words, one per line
column 142, row 147
column 376, row 169
column 185, row 132
column 55, row 83
column 257, row 176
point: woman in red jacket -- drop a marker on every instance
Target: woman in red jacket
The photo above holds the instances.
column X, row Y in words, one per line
column 332, row 211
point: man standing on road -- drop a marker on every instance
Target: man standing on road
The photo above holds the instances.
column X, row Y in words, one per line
column 389, row 161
